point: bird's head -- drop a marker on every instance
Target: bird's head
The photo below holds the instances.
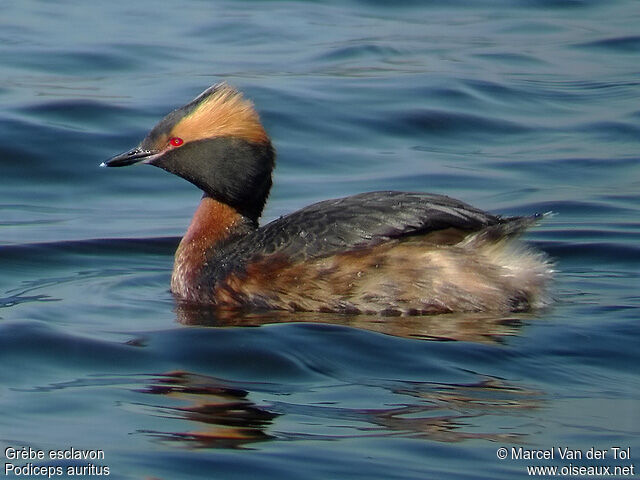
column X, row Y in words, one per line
column 216, row 142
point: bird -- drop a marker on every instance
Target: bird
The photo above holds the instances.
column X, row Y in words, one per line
column 382, row 253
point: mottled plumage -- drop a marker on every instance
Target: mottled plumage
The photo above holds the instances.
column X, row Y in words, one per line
column 378, row 252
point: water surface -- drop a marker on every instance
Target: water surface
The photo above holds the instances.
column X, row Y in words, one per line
column 516, row 107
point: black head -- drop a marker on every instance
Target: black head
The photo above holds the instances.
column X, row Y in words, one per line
column 217, row 143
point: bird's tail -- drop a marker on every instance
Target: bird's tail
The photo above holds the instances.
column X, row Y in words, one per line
column 528, row 270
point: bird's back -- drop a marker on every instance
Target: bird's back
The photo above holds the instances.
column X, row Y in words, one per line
column 392, row 252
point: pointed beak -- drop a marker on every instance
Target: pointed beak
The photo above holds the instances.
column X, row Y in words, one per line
column 136, row 155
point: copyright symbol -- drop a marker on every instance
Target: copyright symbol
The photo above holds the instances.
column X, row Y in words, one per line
column 502, row 453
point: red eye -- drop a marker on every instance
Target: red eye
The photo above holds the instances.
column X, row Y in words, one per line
column 176, row 141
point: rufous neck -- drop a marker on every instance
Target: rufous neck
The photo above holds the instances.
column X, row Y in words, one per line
column 212, row 223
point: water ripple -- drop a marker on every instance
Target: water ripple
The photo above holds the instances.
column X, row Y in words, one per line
column 627, row 44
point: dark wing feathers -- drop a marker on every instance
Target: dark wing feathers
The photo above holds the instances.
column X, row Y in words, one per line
column 360, row 220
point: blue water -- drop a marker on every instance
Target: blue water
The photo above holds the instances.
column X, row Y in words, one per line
column 514, row 106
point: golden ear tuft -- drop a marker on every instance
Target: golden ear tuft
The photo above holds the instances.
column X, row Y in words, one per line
column 221, row 112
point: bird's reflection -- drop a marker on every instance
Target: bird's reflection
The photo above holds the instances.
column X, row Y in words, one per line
column 232, row 415
column 469, row 327
column 225, row 417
